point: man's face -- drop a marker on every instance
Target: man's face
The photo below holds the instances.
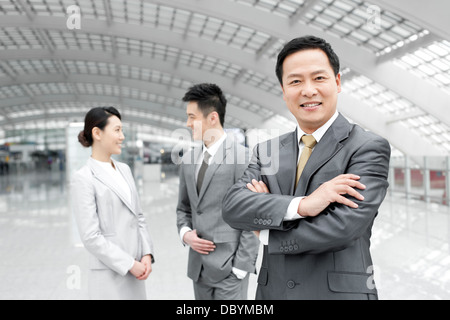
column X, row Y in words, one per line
column 310, row 88
column 196, row 121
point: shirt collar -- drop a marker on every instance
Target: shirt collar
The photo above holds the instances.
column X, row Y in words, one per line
column 319, row 133
column 212, row 150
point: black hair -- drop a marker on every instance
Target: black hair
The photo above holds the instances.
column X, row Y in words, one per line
column 305, row 43
column 209, row 98
column 96, row 117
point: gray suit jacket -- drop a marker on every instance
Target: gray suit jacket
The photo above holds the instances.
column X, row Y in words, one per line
column 111, row 228
column 203, row 212
column 328, row 256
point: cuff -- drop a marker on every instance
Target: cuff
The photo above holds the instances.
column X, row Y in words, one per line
column 132, row 264
column 292, row 211
column 264, row 237
column 240, row 274
column 183, row 232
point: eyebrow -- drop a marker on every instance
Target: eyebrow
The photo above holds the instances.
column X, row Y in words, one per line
column 295, row 75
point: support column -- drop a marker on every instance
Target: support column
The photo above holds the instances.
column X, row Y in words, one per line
column 426, row 180
column 391, row 180
column 407, row 171
column 447, row 181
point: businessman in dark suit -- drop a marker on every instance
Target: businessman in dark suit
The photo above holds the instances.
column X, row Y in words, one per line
column 314, row 213
column 220, row 257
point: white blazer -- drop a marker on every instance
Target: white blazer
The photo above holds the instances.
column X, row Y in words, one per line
column 112, row 228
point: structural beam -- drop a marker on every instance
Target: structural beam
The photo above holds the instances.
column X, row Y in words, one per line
column 193, row 75
column 80, row 115
column 431, row 14
column 357, row 58
column 409, row 142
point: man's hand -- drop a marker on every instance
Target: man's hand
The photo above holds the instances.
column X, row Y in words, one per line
column 197, row 244
column 258, row 187
column 329, row 192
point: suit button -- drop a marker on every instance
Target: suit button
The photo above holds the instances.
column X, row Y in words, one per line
column 269, row 221
column 291, row 284
column 256, row 221
column 260, row 221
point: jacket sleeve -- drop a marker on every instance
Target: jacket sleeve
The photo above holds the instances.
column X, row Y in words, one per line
column 247, row 252
column 339, row 225
column 184, row 214
column 246, row 210
column 84, row 208
column 147, row 242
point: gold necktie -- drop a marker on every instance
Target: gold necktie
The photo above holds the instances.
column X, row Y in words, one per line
column 309, row 142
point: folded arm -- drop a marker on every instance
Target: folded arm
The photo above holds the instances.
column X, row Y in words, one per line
column 338, row 225
column 184, row 214
column 246, row 210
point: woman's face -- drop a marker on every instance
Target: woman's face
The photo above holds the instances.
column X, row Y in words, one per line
column 110, row 139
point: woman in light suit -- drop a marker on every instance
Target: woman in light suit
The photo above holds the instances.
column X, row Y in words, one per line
column 109, row 217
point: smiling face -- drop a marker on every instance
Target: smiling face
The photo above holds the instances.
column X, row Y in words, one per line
column 196, row 121
column 204, row 128
column 310, row 88
column 109, row 140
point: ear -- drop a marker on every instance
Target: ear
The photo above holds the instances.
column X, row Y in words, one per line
column 213, row 118
column 338, row 82
column 282, row 89
column 96, row 133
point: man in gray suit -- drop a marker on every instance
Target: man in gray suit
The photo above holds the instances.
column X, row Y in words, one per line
column 220, row 257
column 315, row 213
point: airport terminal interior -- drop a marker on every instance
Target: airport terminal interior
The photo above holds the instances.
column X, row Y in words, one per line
column 60, row 58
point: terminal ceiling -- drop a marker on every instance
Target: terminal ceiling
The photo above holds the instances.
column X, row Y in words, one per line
column 141, row 56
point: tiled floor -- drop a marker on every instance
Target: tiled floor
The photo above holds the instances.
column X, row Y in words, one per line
column 41, row 257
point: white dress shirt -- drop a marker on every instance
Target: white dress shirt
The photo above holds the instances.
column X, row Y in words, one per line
column 212, row 150
column 292, row 211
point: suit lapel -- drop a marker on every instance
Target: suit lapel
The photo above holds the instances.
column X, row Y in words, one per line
column 130, row 181
column 191, row 171
column 287, row 163
column 328, row 146
column 103, row 177
column 216, row 162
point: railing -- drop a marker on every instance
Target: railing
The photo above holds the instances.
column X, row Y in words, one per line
column 423, row 178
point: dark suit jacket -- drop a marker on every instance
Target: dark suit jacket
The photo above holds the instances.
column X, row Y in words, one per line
column 328, row 256
column 203, row 212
